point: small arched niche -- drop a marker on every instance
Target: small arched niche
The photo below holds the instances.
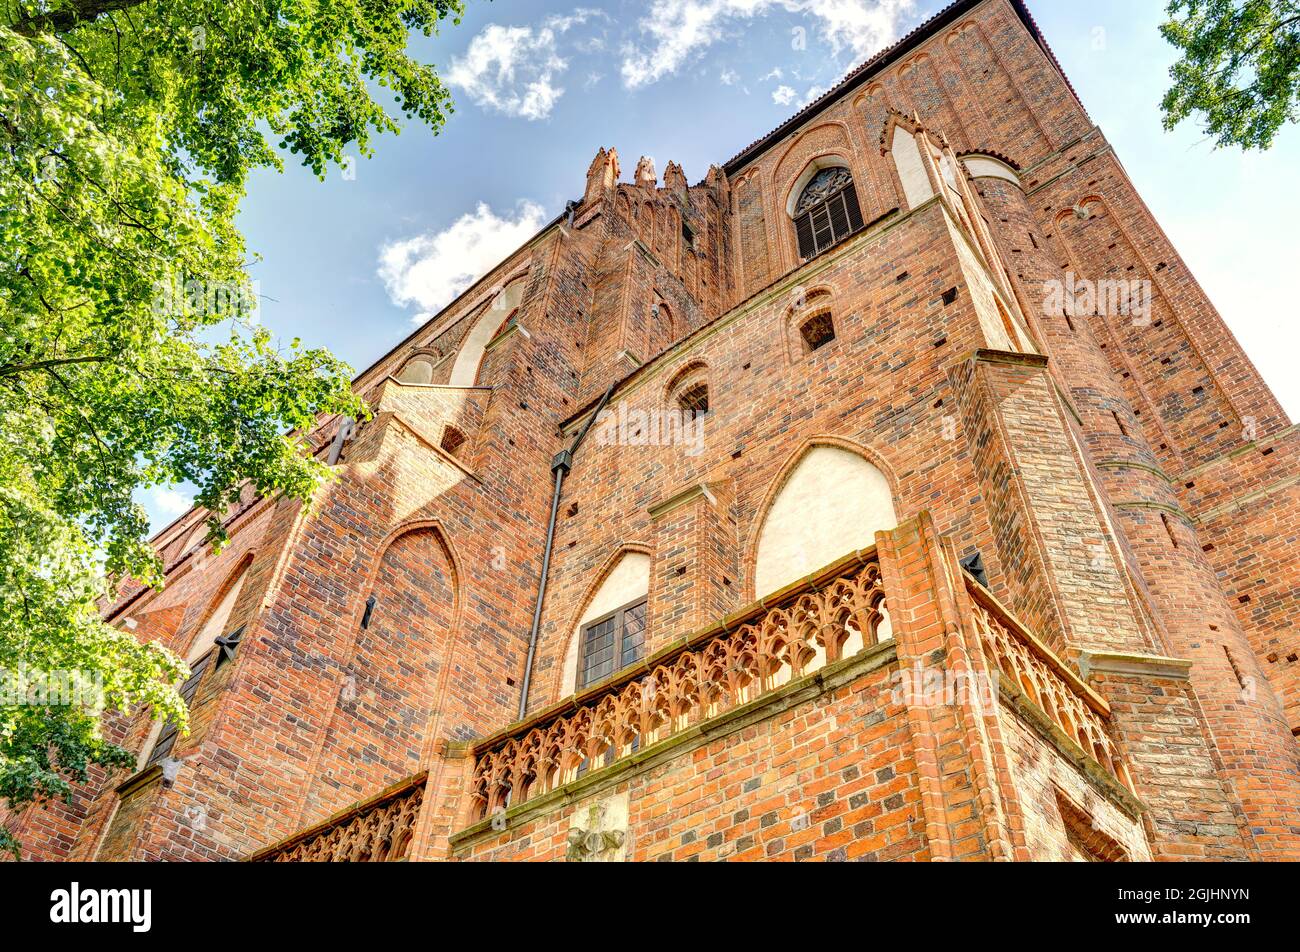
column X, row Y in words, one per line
column 833, row 502
column 418, row 370
column 816, row 331
column 453, row 440
column 607, row 635
column 688, row 393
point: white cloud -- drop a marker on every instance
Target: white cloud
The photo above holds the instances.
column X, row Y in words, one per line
column 811, row 95
column 676, row 30
column 862, row 26
column 514, row 70
column 729, row 77
column 783, row 95
column 429, row 270
column 168, row 502
column 775, row 74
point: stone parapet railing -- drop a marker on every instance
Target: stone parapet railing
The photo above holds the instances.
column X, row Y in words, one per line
column 379, row 830
column 1048, row 682
column 826, row 617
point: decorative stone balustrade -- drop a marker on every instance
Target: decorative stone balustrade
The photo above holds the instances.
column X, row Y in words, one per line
column 827, row 617
column 378, row 831
column 1048, row 682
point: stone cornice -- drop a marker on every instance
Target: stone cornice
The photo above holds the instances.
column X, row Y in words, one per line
column 677, row 500
column 1119, row 662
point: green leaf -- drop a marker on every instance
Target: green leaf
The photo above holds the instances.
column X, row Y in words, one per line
column 1239, row 71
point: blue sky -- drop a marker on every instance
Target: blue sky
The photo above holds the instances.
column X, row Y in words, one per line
column 351, row 263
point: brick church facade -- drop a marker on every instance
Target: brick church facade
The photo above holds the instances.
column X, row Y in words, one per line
column 895, row 493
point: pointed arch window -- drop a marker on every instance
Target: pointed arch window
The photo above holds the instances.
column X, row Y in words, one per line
column 166, row 740
column 827, row 212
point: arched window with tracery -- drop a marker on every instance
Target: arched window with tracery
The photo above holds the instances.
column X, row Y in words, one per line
column 827, row 211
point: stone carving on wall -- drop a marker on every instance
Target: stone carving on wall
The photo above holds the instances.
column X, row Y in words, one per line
column 598, row 832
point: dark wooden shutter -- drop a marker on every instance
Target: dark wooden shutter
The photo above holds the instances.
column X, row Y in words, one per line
column 828, row 222
column 803, row 228
column 167, row 737
column 839, row 217
column 855, row 213
column 823, row 234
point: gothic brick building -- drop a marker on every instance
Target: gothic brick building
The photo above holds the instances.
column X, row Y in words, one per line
column 748, row 438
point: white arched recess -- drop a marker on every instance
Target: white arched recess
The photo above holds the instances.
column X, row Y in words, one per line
column 215, row 626
column 626, row 582
column 987, row 166
column 464, row 373
column 833, row 503
column 417, row 370
column 911, row 167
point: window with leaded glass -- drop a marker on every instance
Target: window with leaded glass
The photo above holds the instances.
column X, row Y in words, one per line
column 611, row 643
column 827, row 212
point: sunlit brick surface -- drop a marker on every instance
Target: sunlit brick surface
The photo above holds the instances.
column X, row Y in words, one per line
column 1129, row 483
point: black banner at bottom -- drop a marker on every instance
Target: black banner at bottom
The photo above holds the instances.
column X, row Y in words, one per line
column 142, row 903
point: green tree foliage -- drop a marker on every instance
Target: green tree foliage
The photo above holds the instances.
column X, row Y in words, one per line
column 1240, row 68
column 129, row 351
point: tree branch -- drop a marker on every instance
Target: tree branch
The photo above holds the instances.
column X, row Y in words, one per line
column 67, row 18
column 12, row 369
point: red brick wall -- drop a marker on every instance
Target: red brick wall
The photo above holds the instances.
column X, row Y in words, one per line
column 1027, row 466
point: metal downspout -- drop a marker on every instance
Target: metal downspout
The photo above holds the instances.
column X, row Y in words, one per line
column 560, row 466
